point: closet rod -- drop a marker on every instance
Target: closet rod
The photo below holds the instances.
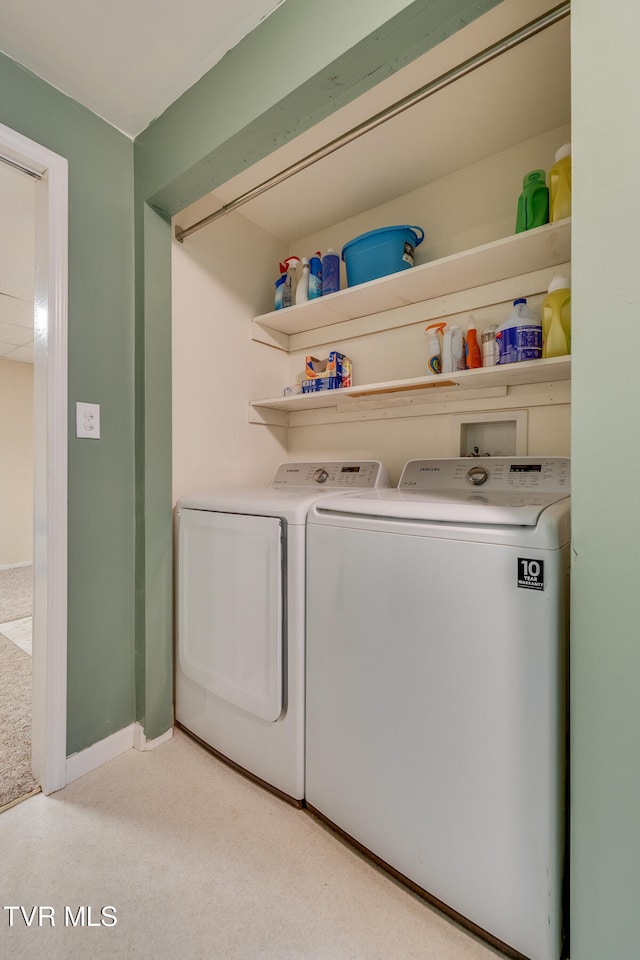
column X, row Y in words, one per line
column 20, row 166
column 468, row 66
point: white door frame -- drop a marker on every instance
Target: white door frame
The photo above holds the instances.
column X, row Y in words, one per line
column 49, row 710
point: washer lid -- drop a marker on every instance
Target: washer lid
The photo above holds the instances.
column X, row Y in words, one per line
column 485, row 509
column 491, row 491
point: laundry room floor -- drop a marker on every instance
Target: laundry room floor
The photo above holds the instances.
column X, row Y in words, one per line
column 170, row 853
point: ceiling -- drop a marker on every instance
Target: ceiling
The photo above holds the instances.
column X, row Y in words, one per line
column 127, row 62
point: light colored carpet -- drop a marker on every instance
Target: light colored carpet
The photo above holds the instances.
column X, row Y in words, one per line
column 15, row 723
column 16, row 593
column 19, row 632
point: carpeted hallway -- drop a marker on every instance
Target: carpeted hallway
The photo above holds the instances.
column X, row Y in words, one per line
column 16, row 603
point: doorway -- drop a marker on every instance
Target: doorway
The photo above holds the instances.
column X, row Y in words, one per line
column 50, row 174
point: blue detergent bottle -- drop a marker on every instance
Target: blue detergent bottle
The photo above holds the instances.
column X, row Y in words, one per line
column 315, row 275
column 280, row 288
column 330, row 272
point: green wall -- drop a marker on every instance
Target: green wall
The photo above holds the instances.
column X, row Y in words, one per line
column 605, row 740
column 101, row 495
column 275, row 84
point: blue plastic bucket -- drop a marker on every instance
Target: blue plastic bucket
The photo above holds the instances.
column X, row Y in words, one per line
column 380, row 252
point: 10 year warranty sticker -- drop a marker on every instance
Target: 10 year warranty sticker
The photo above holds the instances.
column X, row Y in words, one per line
column 530, row 574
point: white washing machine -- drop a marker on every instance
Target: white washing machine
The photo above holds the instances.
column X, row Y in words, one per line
column 436, row 685
column 240, row 664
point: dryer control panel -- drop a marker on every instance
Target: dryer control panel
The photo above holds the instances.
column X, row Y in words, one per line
column 331, row 474
column 548, row 475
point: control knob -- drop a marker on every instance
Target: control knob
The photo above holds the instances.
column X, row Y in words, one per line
column 477, row 476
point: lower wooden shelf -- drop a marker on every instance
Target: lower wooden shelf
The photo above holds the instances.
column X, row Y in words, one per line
column 466, row 384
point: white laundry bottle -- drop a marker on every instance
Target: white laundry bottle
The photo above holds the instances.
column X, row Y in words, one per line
column 520, row 336
column 452, row 350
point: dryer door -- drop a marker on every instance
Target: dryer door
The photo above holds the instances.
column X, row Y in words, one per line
column 230, row 629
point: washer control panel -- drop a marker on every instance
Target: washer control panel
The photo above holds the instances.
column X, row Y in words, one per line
column 338, row 474
column 477, row 476
column 499, row 474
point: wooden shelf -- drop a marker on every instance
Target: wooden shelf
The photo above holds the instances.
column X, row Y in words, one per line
column 513, row 256
column 465, row 385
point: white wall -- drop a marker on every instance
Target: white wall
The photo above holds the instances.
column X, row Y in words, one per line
column 221, row 277
column 16, row 457
column 472, row 206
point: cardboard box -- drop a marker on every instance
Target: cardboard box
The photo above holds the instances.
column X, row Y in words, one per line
column 336, row 367
column 321, row 383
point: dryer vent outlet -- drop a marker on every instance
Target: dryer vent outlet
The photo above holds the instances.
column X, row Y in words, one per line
column 491, row 435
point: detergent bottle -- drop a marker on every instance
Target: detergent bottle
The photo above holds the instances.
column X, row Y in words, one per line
column 315, row 275
column 560, row 185
column 473, row 356
column 520, row 336
column 533, row 202
column 330, row 272
column 280, row 287
column 556, row 319
column 434, row 347
column 452, row 350
column 290, row 265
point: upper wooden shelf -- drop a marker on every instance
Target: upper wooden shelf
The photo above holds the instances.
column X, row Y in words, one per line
column 522, row 253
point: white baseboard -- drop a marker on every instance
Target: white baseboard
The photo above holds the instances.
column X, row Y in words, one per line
column 86, row 760
column 10, row 566
column 140, row 741
column 129, row 738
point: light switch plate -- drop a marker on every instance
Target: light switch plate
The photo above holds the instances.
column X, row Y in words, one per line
column 88, row 420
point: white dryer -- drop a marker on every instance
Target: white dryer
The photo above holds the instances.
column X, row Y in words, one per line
column 240, row 577
column 436, row 685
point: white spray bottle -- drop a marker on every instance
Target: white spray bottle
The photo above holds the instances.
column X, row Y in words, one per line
column 289, row 289
column 302, row 290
